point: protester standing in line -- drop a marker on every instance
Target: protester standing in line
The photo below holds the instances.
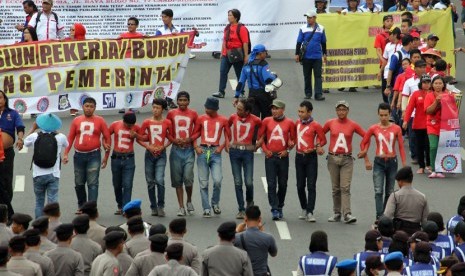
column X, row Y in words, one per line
column 10, row 121
column 340, row 161
column 85, row 135
column 241, row 150
column 30, row 9
column 310, row 141
column 381, row 41
column 313, row 37
column 46, row 22
column 182, row 155
column 210, row 127
column 122, row 159
column 234, row 51
column 46, row 180
column 277, row 138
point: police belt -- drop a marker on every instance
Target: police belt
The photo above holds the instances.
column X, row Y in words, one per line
column 399, row 224
column 243, row 147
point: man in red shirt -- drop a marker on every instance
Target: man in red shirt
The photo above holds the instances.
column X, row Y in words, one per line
column 380, row 43
column 85, row 133
column 210, row 127
column 182, row 156
column 278, row 137
column 306, row 159
column 385, row 163
column 157, row 132
column 122, row 159
column 340, row 160
column 245, row 128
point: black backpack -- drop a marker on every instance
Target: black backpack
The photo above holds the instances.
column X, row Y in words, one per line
column 238, row 31
column 45, row 150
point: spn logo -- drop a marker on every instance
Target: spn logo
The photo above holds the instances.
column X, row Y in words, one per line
column 109, row 100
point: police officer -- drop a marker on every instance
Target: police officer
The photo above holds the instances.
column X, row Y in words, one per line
column 139, row 241
column 4, row 257
column 143, row 264
column 346, row 267
column 96, row 231
column 41, row 224
column 132, row 209
column 66, row 260
column 318, row 262
column 18, row 263
column 257, row 73
column 123, row 258
column 33, row 254
column 106, row 264
column 20, row 223
column 88, row 248
column 190, row 255
column 52, row 211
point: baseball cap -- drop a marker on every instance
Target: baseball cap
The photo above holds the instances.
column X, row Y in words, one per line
column 433, row 36
column 415, row 35
column 394, row 256
column 419, row 236
column 310, row 13
column 343, row 103
column 48, row 1
column 348, row 264
column 373, row 235
column 279, row 104
column 425, row 77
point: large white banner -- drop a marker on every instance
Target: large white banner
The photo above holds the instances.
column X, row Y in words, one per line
column 274, row 23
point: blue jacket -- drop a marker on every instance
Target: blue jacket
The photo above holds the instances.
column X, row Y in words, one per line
column 446, row 242
column 316, row 46
column 421, row 269
column 459, row 251
column 361, row 258
column 257, row 74
column 317, row 263
column 10, row 120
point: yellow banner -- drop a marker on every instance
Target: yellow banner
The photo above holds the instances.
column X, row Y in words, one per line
column 352, row 59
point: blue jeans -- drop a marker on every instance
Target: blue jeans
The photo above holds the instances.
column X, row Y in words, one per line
column 204, row 167
column 182, row 166
column 384, row 178
column 155, row 176
column 86, row 170
column 277, row 173
column 122, row 169
column 242, row 160
column 225, row 66
column 45, row 184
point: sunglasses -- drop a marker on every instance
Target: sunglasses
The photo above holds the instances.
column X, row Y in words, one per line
column 131, row 24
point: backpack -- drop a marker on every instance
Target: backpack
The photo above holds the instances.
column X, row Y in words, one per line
column 38, row 19
column 238, row 31
column 399, row 63
column 45, row 150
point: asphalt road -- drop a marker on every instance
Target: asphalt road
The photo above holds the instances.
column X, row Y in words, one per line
column 292, row 235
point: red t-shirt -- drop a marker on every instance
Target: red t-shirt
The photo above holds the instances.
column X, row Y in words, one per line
column 183, row 122
column 402, row 78
column 416, row 102
column 210, row 129
column 244, row 128
column 86, row 132
column 385, row 138
column 122, row 138
column 381, row 40
column 156, row 131
column 234, row 41
column 341, row 133
column 131, row 35
column 306, row 135
column 277, row 134
column 433, row 122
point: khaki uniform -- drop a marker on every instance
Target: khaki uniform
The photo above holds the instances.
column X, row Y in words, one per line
column 106, row 264
column 190, row 254
column 88, row 248
column 137, row 244
column 224, row 260
column 46, row 245
column 147, row 226
column 172, row 268
column 143, row 264
column 96, row 233
column 23, row 266
column 66, row 261
column 144, row 253
column 5, row 234
column 125, row 262
column 45, row 263
column 52, row 236
column 4, row 272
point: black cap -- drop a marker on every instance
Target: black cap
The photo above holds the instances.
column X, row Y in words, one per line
column 4, row 254
column 135, row 220
column 419, row 236
column 21, row 218
column 373, row 235
column 51, row 207
column 157, row 229
column 40, row 223
column 114, row 236
column 89, row 206
column 65, row 229
column 129, row 118
column 423, row 247
column 117, row 229
column 81, row 220
column 430, row 227
column 159, row 238
column 227, row 227
column 31, row 233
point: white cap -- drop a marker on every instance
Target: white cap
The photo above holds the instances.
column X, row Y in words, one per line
column 310, row 13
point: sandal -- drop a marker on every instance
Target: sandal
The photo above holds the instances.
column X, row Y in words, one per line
column 428, row 170
column 420, row 171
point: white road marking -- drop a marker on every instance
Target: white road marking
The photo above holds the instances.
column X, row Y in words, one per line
column 19, row 183
column 283, row 230
column 463, row 153
column 24, row 150
column 294, row 273
column 233, row 83
column 265, row 184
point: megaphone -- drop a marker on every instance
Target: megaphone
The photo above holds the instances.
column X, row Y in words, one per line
column 274, row 85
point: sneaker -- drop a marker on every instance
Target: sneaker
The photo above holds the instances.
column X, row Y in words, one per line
column 326, row 91
column 218, row 94
column 78, row 212
column 440, row 175
column 249, row 203
column 281, row 215
column 303, row 215
column 122, row 111
column 190, row 207
column 348, row 218
column 192, row 56
column 161, row 212
column 181, row 212
column 154, row 212
column 118, row 212
column 216, row 209
column 335, row 218
column 432, row 175
column 207, row 213
column 340, row 89
column 353, row 89
column 308, row 97
column 172, row 105
column 240, row 215
column 275, row 215
column 310, row 218
column 320, row 98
